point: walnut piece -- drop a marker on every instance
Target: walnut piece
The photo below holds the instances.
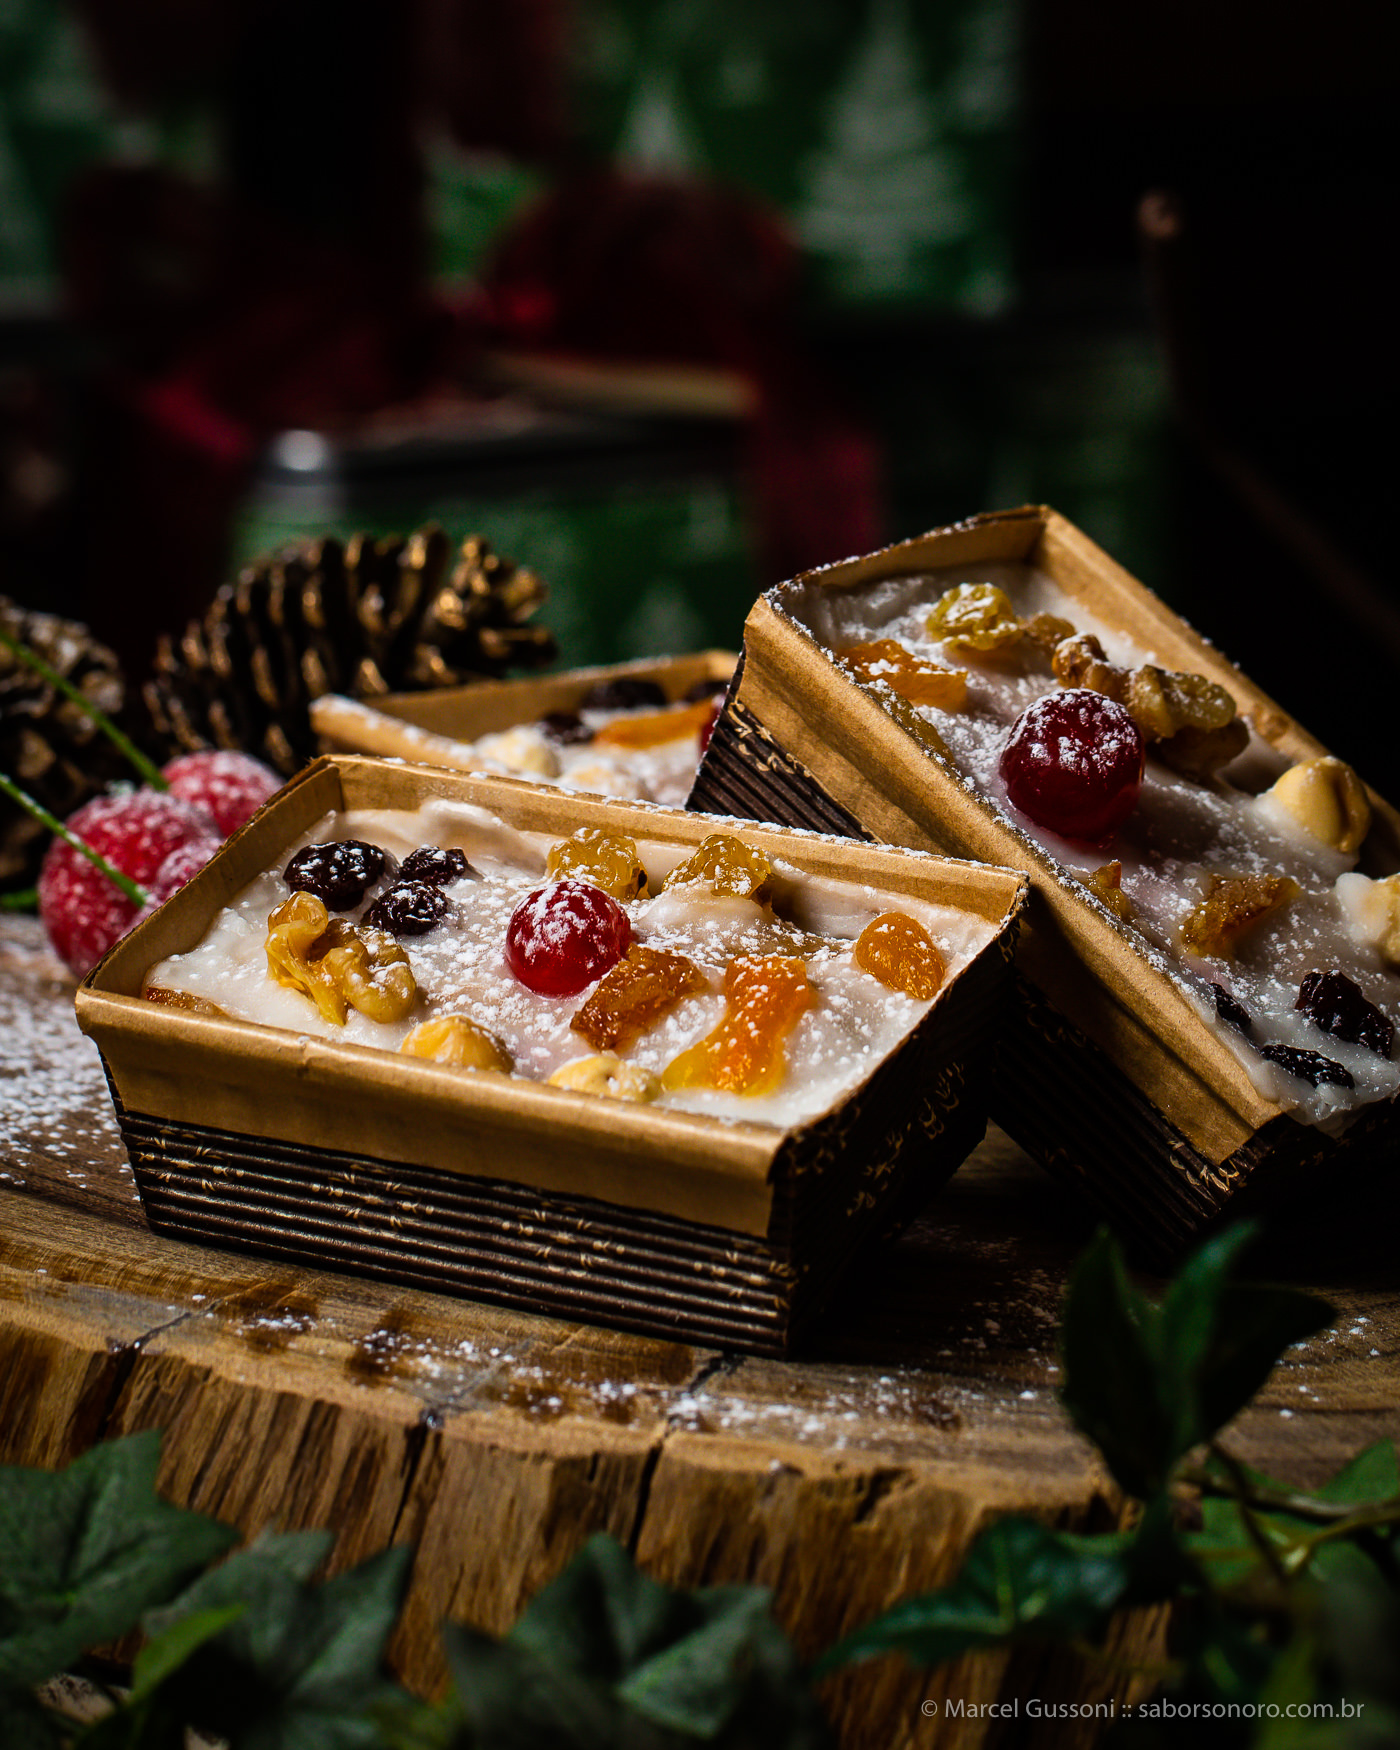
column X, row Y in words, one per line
column 1327, row 799
column 459, row 1041
column 1191, row 720
column 338, row 965
column 607, row 1074
column 1233, row 905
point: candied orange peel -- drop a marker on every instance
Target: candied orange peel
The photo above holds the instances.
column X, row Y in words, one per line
column 656, row 727
column 1232, row 907
column 640, row 990
column 607, row 859
column 766, row 995
column 920, row 682
column 899, row 951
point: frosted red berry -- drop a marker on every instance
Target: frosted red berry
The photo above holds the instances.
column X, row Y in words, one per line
column 83, row 911
column 562, row 937
column 1073, row 762
column 229, row 787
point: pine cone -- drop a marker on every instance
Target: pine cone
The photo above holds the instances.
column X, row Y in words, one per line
column 363, row 618
column 47, row 744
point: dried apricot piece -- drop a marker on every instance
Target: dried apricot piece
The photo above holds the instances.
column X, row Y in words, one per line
column 728, row 866
column 976, row 617
column 766, row 995
column 1233, row 905
column 608, row 859
column 460, row 1041
column 645, row 985
column 921, row 683
column 656, row 728
column 899, row 951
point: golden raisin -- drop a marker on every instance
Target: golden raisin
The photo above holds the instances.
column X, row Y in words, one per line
column 608, row 859
column 921, row 683
column 608, row 1075
column 1233, row 905
column 1107, row 884
column 976, row 617
column 729, row 866
column 656, row 728
column 645, row 984
column 457, row 1040
column 766, row 996
column 1047, row 631
column 899, row 951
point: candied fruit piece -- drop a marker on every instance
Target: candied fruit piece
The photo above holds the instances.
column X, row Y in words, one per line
column 656, row 728
column 920, row 682
column 1073, row 762
column 182, row 999
column 1327, row 799
column 1332, row 1002
column 976, row 617
column 460, row 1041
column 409, row 908
column 337, row 964
column 1106, row 883
column 1191, row 719
column 563, row 936
column 608, row 1075
column 1372, row 910
column 899, row 951
column 766, row 996
column 645, row 985
column 437, row 863
column 1310, row 1066
column 608, row 859
column 624, row 692
column 340, row 873
column 1233, row 905
column 729, row 866
column 1231, row 1010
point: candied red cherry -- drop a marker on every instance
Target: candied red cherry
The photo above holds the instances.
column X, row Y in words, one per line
column 562, row 937
column 1073, row 762
column 340, row 873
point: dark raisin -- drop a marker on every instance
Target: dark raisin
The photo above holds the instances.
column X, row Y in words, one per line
column 625, row 692
column 1231, row 1010
column 1331, row 1001
column 706, row 689
column 409, row 908
column 1309, row 1066
column 340, row 874
column 565, row 728
column 434, row 863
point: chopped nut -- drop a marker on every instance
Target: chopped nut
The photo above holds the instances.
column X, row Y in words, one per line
column 1327, row 799
column 1081, row 662
column 459, row 1041
column 1047, row 631
column 1107, row 884
column 338, row 964
column 1232, row 907
column 607, row 1074
column 729, row 866
column 608, row 859
column 1191, row 720
column 1197, row 753
column 1372, row 909
column 182, row 999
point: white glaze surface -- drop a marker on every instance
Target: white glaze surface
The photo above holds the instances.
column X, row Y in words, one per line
column 460, row 966
column 1182, row 832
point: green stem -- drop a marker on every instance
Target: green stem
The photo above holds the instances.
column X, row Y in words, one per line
column 150, row 772
column 136, row 894
column 1242, row 1494
column 26, row 899
column 1297, row 1506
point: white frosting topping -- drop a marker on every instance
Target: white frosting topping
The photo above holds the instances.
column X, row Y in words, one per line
column 1182, row 833
column 460, row 966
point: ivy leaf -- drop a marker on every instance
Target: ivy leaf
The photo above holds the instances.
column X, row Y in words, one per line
column 84, row 1551
column 607, row 1659
column 1020, row 1581
column 1148, row 1381
column 298, row 1667
column 1373, row 1476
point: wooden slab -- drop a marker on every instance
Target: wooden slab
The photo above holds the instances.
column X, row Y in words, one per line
column 496, row 1442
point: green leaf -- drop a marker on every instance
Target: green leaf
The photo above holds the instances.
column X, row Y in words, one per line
column 1254, row 1326
column 299, row 1667
column 1372, row 1476
column 1020, row 1581
column 84, row 1551
column 698, row 1684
